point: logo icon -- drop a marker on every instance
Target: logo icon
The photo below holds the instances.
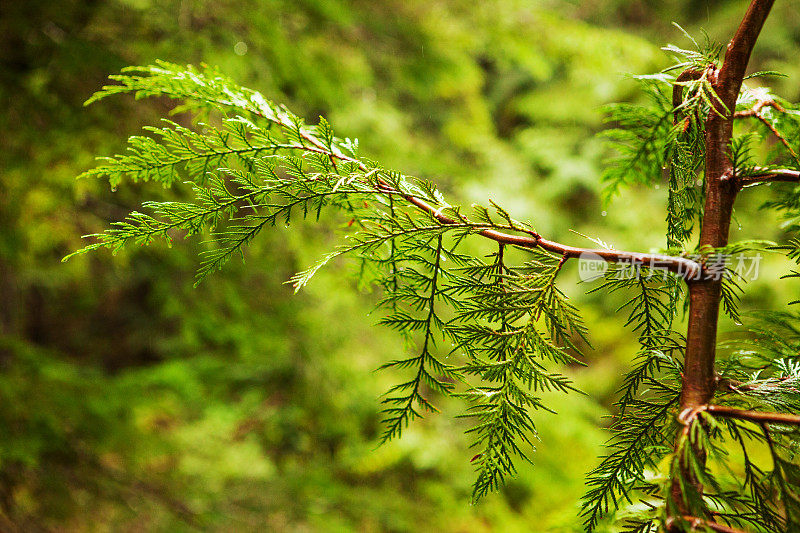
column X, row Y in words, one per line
column 591, row 267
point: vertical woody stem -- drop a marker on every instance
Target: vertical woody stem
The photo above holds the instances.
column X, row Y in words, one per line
column 699, row 381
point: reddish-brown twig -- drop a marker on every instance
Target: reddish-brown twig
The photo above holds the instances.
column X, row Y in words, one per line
column 761, row 175
column 754, row 416
column 755, row 111
column 700, row 523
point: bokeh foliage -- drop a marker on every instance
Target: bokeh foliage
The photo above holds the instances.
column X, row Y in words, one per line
column 128, row 399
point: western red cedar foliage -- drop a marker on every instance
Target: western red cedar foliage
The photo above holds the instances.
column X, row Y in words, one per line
column 494, row 329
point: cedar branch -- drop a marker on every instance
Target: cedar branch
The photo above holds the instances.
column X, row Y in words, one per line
column 682, row 266
column 755, row 111
column 762, row 175
column 713, row 526
column 754, row 416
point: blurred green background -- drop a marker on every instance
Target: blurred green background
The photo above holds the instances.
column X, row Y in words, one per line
column 130, row 401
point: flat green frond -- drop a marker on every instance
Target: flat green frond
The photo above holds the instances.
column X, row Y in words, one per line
column 639, row 141
column 199, row 87
column 431, row 372
column 176, row 153
column 511, row 321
